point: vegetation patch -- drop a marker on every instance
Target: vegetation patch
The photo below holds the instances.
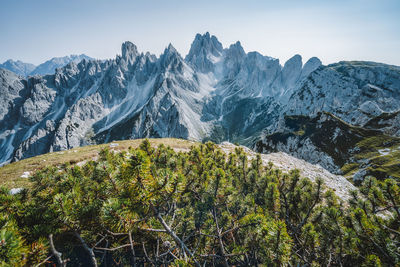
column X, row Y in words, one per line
column 10, row 174
column 198, row 207
column 350, row 168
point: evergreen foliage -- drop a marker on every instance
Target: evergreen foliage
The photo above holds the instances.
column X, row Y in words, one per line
column 155, row 206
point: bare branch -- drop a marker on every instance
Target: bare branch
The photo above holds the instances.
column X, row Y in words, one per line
column 132, row 248
column 104, row 237
column 145, row 254
column 237, row 228
column 55, row 252
column 221, row 244
column 219, row 256
column 153, row 230
column 392, row 230
column 213, row 236
column 43, row 262
column 317, row 199
column 88, row 249
column 113, row 249
column 176, row 238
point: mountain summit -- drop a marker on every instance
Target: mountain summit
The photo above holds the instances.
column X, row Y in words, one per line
column 204, row 52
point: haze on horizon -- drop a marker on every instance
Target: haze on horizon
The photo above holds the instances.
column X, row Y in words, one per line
column 35, row 31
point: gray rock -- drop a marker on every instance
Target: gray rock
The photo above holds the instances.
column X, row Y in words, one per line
column 359, row 175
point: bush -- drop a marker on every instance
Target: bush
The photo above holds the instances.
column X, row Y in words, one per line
column 202, row 207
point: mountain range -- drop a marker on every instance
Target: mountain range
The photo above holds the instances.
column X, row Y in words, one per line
column 48, row 67
column 323, row 114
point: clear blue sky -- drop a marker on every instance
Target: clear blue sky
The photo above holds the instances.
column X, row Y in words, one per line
column 36, row 30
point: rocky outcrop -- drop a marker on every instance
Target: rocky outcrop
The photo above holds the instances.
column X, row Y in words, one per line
column 335, row 145
column 354, row 91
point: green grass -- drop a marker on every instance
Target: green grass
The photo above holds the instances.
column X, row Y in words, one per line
column 10, row 175
column 379, row 165
column 350, row 168
column 386, row 165
column 374, row 143
column 300, row 132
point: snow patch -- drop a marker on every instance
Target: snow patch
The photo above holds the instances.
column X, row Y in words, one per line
column 384, row 151
column 25, row 175
column 14, row 191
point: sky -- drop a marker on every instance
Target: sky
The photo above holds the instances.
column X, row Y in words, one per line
column 333, row 30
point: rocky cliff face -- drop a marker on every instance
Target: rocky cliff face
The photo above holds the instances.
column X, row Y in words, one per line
column 213, row 93
column 354, row 91
column 362, row 100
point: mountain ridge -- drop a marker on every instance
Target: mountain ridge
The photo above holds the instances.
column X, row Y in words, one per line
column 213, row 93
column 47, row 67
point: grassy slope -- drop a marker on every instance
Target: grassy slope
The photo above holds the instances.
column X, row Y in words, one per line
column 10, row 175
column 379, row 164
column 383, row 154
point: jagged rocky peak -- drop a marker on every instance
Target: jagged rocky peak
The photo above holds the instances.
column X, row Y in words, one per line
column 354, row 91
column 129, row 52
column 67, row 76
column 257, row 74
column 205, row 44
column 150, row 57
column 235, row 51
column 5, row 74
column 293, row 63
column 233, row 59
column 170, row 50
column 311, row 65
column 170, row 57
column 204, row 52
column 257, row 62
column 291, row 71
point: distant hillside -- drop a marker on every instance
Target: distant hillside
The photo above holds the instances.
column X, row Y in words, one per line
column 18, row 67
column 48, row 67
